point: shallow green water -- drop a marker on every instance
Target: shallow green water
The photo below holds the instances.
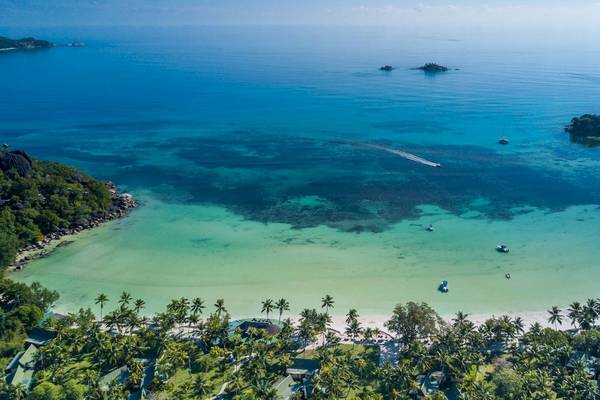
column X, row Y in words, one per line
column 162, row 252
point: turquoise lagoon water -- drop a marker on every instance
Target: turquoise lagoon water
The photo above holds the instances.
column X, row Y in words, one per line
column 239, row 142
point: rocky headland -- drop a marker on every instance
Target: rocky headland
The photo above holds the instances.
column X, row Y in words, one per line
column 122, row 204
column 44, row 201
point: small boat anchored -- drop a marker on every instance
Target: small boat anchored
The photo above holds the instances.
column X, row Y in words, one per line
column 386, row 68
column 443, row 287
column 503, row 140
column 502, row 248
column 430, row 228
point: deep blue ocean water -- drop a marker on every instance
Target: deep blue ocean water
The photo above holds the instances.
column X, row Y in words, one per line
column 267, row 123
column 251, row 117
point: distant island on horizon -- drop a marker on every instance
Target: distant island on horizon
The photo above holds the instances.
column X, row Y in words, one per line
column 28, row 43
column 433, row 67
column 428, row 67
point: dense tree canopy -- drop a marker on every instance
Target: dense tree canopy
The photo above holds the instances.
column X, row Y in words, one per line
column 43, row 200
column 196, row 356
column 585, row 129
column 412, row 321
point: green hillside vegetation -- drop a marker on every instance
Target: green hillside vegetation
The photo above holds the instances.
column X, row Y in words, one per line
column 41, row 197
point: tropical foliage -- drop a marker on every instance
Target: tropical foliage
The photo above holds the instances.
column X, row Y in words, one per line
column 197, row 355
column 585, row 129
column 49, row 197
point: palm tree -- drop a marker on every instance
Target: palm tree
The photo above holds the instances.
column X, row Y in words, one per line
column 193, row 320
column 327, row 302
column 589, row 314
column 591, row 305
column 267, row 307
column 136, row 373
column 352, row 315
column 555, row 316
column 535, row 329
column 331, row 339
column 197, row 306
column 19, row 392
column 479, row 390
column 124, row 299
column 236, row 383
column 361, row 365
column 368, row 334
column 101, row 299
column 460, row 318
column 376, row 332
column 519, row 325
column 282, row 305
column 306, row 332
column 353, row 386
column 138, row 305
column 323, row 321
column 200, row 386
column 220, row 307
column 574, row 312
column 353, row 330
column 264, row 390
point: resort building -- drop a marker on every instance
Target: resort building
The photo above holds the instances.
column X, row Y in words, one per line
column 298, row 379
column 120, row 376
column 40, row 337
column 246, row 326
column 21, row 368
column 433, row 382
column 287, row 388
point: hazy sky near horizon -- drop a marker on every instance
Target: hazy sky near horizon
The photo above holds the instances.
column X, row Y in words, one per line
column 452, row 13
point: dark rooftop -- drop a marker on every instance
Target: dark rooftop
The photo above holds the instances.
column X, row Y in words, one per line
column 267, row 326
column 40, row 336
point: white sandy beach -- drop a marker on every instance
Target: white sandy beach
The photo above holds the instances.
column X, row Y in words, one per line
column 529, row 318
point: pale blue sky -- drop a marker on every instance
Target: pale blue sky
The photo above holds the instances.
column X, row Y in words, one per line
column 389, row 12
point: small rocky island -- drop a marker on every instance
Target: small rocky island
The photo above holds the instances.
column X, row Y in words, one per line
column 585, row 129
column 386, row 68
column 433, row 68
column 29, row 43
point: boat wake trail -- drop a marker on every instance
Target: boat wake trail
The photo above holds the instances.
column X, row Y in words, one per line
column 397, row 152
